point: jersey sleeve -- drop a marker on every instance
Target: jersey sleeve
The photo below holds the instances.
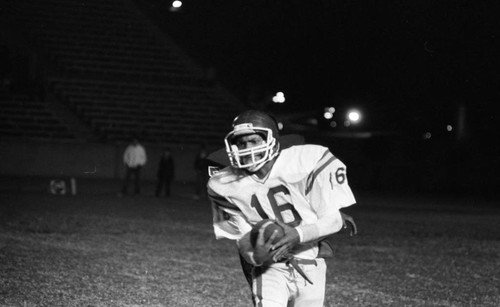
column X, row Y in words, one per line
column 228, row 220
column 328, row 183
column 327, row 190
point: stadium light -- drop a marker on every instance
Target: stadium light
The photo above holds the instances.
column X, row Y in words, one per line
column 175, row 6
column 328, row 112
column 354, row 116
column 279, row 97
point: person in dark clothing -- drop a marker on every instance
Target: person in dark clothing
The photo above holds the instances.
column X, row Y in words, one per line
column 165, row 173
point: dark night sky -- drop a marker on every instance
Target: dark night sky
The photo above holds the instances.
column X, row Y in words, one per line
column 414, row 59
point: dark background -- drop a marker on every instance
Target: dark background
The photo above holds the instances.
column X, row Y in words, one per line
column 406, row 64
column 410, row 67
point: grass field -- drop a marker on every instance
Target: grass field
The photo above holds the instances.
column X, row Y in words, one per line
column 96, row 249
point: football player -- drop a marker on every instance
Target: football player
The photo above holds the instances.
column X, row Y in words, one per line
column 301, row 187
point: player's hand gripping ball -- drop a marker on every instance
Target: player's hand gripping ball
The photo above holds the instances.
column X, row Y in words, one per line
column 269, row 227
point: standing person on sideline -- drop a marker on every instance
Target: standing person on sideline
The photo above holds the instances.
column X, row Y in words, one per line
column 302, row 188
column 165, row 174
column 201, row 169
column 134, row 159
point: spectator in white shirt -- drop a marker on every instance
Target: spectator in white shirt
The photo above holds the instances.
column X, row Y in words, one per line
column 134, row 159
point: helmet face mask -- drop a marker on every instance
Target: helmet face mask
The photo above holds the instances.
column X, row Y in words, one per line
column 252, row 158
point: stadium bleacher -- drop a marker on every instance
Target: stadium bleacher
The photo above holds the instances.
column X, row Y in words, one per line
column 116, row 73
column 24, row 117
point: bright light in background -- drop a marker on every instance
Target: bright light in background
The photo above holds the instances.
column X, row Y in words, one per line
column 328, row 113
column 280, row 126
column 449, row 128
column 354, row 116
column 427, row 136
column 176, row 5
column 279, row 97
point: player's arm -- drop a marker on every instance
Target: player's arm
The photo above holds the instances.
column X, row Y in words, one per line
column 348, row 224
column 328, row 191
column 329, row 222
column 228, row 220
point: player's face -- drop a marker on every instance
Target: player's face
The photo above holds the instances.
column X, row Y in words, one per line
column 249, row 141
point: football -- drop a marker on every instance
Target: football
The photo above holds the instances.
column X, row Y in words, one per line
column 269, row 227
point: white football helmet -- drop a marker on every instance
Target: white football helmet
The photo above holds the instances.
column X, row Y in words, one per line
column 247, row 123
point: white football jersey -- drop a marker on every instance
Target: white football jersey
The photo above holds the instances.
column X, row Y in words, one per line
column 305, row 183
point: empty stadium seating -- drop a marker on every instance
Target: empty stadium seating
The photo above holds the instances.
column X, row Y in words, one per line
column 119, row 74
column 24, row 117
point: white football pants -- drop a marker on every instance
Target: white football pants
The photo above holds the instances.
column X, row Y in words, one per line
column 280, row 285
